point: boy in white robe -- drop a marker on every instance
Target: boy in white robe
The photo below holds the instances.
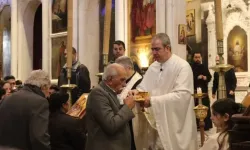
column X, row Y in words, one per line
column 169, row 109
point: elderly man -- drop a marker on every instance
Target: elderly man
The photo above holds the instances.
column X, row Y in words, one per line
column 134, row 78
column 107, row 121
column 24, row 115
column 169, row 80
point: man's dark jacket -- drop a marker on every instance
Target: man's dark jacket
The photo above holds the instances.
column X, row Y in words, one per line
column 79, row 76
column 24, row 118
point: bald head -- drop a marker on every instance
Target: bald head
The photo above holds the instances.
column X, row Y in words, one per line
column 112, row 70
column 115, row 77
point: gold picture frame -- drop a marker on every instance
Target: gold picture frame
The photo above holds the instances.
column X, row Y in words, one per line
column 182, row 34
column 190, row 19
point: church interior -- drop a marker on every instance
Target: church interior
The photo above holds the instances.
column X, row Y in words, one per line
column 34, row 34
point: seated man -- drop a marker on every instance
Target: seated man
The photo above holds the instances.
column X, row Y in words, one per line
column 107, row 121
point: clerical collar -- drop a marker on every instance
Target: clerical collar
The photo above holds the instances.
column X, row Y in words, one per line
column 130, row 77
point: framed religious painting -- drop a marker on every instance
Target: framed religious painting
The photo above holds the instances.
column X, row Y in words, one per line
column 141, row 28
column 57, row 55
column 237, row 49
column 190, row 19
column 59, row 16
column 182, row 34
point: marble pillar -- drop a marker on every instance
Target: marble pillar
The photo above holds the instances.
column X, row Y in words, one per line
column 46, row 35
column 14, row 38
column 89, row 36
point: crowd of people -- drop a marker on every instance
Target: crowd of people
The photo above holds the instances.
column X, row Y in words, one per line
column 34, row 114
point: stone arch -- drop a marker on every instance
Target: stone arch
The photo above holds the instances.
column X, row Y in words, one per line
column 25, row 36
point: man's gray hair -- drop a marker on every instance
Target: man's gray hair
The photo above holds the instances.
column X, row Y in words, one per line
column 125, row 61
column 110, row 71
column 164, row 39
column 38, row 78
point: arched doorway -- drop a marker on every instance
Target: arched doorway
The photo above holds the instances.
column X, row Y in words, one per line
column 37, row 40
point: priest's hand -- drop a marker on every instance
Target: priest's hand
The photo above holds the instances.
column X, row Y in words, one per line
column 147, row 102
column 129, row 101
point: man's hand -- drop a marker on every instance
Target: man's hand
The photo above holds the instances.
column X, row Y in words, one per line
column 133, row 92
column 231, row 92
column 129, row 101
column 200, row 76
column 213, row 96
column 204, row 77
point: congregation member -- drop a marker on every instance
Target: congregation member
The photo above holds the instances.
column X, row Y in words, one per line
column 230, row 81
column 119, row 50
column 202, row 77
column 7, row 87
column 66, row 132
column 222, row 111
column 107, row 121
column 12, row 80
column 53, row 89
column 169, row 108
column 24, row 115
column 133, row 79
column 79, row 76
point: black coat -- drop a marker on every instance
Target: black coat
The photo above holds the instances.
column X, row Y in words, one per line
column 24, row 119
column 66, row 132
column 79, row 76
column 230, row 80
column 200, row 69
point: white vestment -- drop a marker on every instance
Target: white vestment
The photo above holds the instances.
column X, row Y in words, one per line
column 171, row 105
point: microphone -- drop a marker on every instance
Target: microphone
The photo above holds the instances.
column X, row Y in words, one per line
column 161, row 69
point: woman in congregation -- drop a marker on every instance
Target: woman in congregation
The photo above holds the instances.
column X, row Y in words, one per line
column 222, row 111
column 66, row 132
column 7, row 87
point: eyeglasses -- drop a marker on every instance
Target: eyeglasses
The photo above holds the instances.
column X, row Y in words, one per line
column 155, row 48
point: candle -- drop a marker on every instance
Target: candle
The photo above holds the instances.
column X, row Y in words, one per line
column 70, row 34
column 199, row 91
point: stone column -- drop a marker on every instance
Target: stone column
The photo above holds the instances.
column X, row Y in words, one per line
column 89, row 36
column 160, row 16
column 175, row 15
column 212, row 50
column 46, row 35
column 120, row 20
column 14, row 37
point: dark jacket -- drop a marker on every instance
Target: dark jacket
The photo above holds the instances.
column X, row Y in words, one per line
column 107, row 121
column 24, row 119
column 230, row 81
column 66, row 132
column 200, row 69
column 79, row 76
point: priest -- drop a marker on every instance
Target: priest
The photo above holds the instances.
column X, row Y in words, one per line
column 169, row 108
